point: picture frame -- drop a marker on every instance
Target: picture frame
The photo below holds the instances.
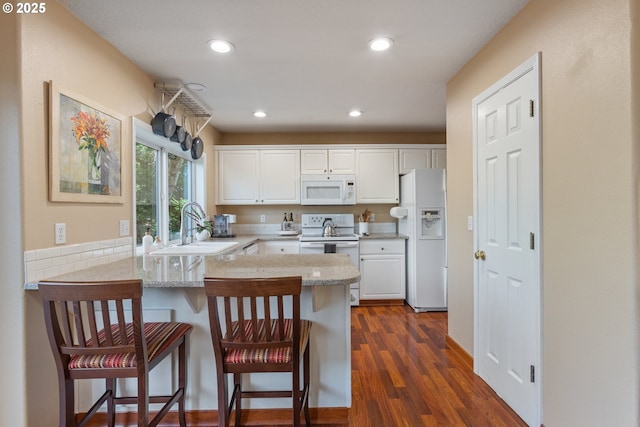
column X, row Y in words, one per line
column 85, row 149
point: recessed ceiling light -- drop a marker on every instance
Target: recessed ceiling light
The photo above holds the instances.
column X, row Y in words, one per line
column 220, row 46
column 355, row 113
column 380, row 43
column 259, row 114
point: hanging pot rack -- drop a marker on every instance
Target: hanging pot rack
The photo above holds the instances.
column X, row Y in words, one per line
column 191, row 106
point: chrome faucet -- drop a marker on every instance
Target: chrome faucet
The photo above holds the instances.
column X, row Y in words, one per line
column 183, row 228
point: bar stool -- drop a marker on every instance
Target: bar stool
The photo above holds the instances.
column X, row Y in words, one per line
column 250, row 334
column 82, row 348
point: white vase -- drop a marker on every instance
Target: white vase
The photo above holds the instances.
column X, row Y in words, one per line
column 203, row 235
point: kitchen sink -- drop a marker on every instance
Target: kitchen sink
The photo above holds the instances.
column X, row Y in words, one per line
column 196, row 248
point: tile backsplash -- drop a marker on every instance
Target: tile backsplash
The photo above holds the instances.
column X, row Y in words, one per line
column 43, row 263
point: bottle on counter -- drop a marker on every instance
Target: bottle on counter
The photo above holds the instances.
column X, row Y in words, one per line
column 285, row 223
column 147, row 241
column 157, row 244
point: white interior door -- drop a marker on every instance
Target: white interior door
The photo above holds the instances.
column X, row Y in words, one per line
column 507, row 237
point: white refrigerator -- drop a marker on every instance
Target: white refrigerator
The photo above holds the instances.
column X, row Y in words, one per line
column 423, row 194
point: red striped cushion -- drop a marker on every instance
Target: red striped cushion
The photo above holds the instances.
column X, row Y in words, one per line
column 159, row 335
column 268, row 355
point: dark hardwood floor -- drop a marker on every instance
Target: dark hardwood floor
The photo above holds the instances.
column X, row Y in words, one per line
column 404, row 374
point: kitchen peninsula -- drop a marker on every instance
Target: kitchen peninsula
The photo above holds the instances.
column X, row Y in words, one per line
column 173, row 290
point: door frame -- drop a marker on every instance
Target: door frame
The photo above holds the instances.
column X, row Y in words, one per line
column 530, row 65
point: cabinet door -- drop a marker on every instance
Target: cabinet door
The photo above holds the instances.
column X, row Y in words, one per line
column 268, row 247
column 342, row 162
column 439, row 158
column 382, row 277
column 279, row 177
column 377, row 176
column 313, row 162
column 414, row 158
column 238, row 177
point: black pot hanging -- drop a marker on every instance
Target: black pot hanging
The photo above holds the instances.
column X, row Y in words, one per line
column 197, row 147
column 163, row 123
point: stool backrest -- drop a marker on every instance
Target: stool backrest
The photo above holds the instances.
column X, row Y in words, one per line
column 89, row 318
column 249, row 314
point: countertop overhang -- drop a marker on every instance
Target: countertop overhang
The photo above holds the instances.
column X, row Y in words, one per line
column 189, row 271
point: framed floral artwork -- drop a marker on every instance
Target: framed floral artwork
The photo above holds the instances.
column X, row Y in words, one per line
column 85, row 149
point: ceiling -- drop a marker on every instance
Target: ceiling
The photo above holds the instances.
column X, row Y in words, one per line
column 305, row 63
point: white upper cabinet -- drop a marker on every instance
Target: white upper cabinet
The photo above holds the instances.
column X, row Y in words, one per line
column 238, row 177
column 339, row 161
column 439, row 158
column 419, row 158
column 280, row 176
column 249, row 177
column 377, row 177
column 422, row 158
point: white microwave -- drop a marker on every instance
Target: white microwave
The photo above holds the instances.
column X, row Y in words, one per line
column 328, row 190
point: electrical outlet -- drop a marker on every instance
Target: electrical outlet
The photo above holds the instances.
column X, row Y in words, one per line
column 124, row 227
column 61, row 233
column 470, row 223
column 263, row 218
column 372, row 217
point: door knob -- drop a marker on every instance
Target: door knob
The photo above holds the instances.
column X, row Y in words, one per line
column 480, row 255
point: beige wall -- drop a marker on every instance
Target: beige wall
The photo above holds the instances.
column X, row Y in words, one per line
column 57, row 47
column 13, row 405
column 589, row 164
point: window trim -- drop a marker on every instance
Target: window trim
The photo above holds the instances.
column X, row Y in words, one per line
column 142, row 133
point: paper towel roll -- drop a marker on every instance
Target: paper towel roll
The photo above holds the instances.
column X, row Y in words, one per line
column 398, row 212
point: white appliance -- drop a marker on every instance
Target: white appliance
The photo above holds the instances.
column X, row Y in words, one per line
column 325, row 189
column 423, row 194
column 344, row 240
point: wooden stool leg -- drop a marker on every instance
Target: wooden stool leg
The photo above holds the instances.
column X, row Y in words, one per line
column 182, row 381
column 67, row 404
column 143, row 401
column 237, row 385
column 295, row 393
column 111, row 407
column 223, row 400
column 306, row 379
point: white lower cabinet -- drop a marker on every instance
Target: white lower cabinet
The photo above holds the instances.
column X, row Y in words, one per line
column 382, row 269
column 269, row 247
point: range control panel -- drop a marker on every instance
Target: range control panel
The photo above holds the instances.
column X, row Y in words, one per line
column 317, row 220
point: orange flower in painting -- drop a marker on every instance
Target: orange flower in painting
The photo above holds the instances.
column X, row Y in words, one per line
column 91, row 131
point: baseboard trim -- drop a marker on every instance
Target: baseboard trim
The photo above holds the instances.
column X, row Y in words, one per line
column 373, row 302
column 250, row 417
column 459, row 351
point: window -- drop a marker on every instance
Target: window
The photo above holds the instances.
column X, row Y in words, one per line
column 164, row 182
column 147, row 194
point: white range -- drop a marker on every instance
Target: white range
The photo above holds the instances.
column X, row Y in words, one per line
column 342, row 240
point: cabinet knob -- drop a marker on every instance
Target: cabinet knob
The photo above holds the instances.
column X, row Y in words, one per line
column 281, row 249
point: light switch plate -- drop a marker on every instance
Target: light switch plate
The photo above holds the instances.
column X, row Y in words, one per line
column 124, row 227
column 61, row 233
column 470, row 223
